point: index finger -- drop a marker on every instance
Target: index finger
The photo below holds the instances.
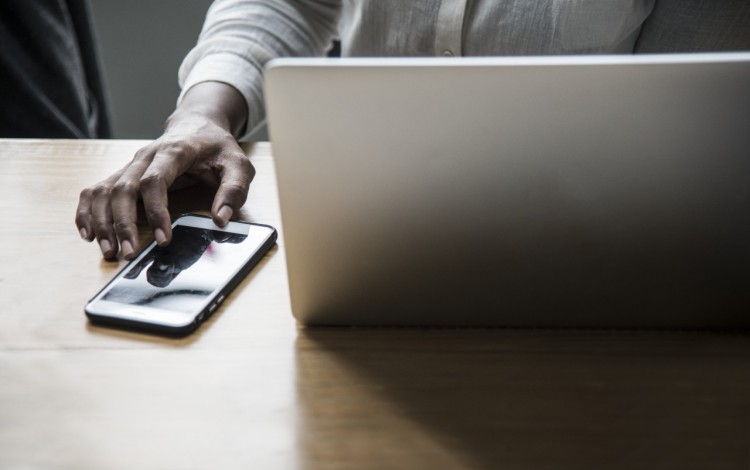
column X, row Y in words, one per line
column 155, row 181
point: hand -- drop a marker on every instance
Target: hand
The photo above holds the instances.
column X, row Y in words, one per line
column 197, row 142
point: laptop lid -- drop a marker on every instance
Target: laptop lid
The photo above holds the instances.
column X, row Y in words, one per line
column 591, row 191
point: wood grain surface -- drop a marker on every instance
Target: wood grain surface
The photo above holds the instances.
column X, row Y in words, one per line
column 252, row 390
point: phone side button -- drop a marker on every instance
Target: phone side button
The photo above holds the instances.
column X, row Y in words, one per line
column 212, row 308
column 218, row 301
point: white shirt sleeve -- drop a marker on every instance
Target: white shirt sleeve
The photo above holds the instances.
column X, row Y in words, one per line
column 240, row 36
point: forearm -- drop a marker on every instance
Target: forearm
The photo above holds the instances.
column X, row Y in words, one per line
column 217, row 102
column 240, row 36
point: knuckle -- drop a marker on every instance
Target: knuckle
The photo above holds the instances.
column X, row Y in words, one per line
column 246, row 166
column 100, row 191
column 81, row 218
column 151, row 179
column 86, row 193
column 180, row 148
column 239, row 163
column 236, row 189
column 123, row 227
column 143, row 153
column 102, row 228
column 125, row 188
column 154, row 215
column 82, row 212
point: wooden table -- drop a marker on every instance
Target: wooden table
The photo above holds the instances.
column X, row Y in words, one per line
column 252, row 390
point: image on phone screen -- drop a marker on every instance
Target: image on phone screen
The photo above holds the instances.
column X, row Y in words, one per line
column 174, row 285
column 181, row 275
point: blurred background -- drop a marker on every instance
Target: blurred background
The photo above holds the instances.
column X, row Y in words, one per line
column 141, row 46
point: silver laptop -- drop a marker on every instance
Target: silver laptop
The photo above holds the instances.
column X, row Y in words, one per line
column 588, row 191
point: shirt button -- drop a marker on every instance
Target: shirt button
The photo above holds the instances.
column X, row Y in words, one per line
column 448, row 53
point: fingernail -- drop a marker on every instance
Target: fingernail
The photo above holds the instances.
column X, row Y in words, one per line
column 127, row 249
column 84, row 233
column 161, row 238
column 225, row 213
column 105, row 246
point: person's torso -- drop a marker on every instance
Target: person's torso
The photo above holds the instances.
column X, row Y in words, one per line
column 490, row 27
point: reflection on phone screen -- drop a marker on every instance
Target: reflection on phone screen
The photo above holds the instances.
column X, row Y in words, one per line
column 180, row 276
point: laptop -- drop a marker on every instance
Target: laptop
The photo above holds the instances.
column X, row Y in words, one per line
column 586, row 191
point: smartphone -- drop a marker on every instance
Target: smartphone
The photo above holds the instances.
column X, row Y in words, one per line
column 173, row 289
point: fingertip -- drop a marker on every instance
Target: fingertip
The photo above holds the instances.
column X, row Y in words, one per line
column 161, row 237
column 84, row 229
column 109, row 251
column 223, row 215
column 127, row 249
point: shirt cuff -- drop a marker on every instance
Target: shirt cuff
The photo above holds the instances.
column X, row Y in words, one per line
column 234, row 70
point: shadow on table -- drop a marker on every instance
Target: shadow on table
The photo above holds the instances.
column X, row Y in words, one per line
column 410, row 398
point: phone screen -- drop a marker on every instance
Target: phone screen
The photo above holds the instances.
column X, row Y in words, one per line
column 180, row 276
column 175, row 283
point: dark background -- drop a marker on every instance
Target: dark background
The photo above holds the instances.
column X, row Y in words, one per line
column 141, row 44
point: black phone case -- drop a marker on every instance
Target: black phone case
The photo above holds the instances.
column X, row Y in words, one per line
column 204, row 314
